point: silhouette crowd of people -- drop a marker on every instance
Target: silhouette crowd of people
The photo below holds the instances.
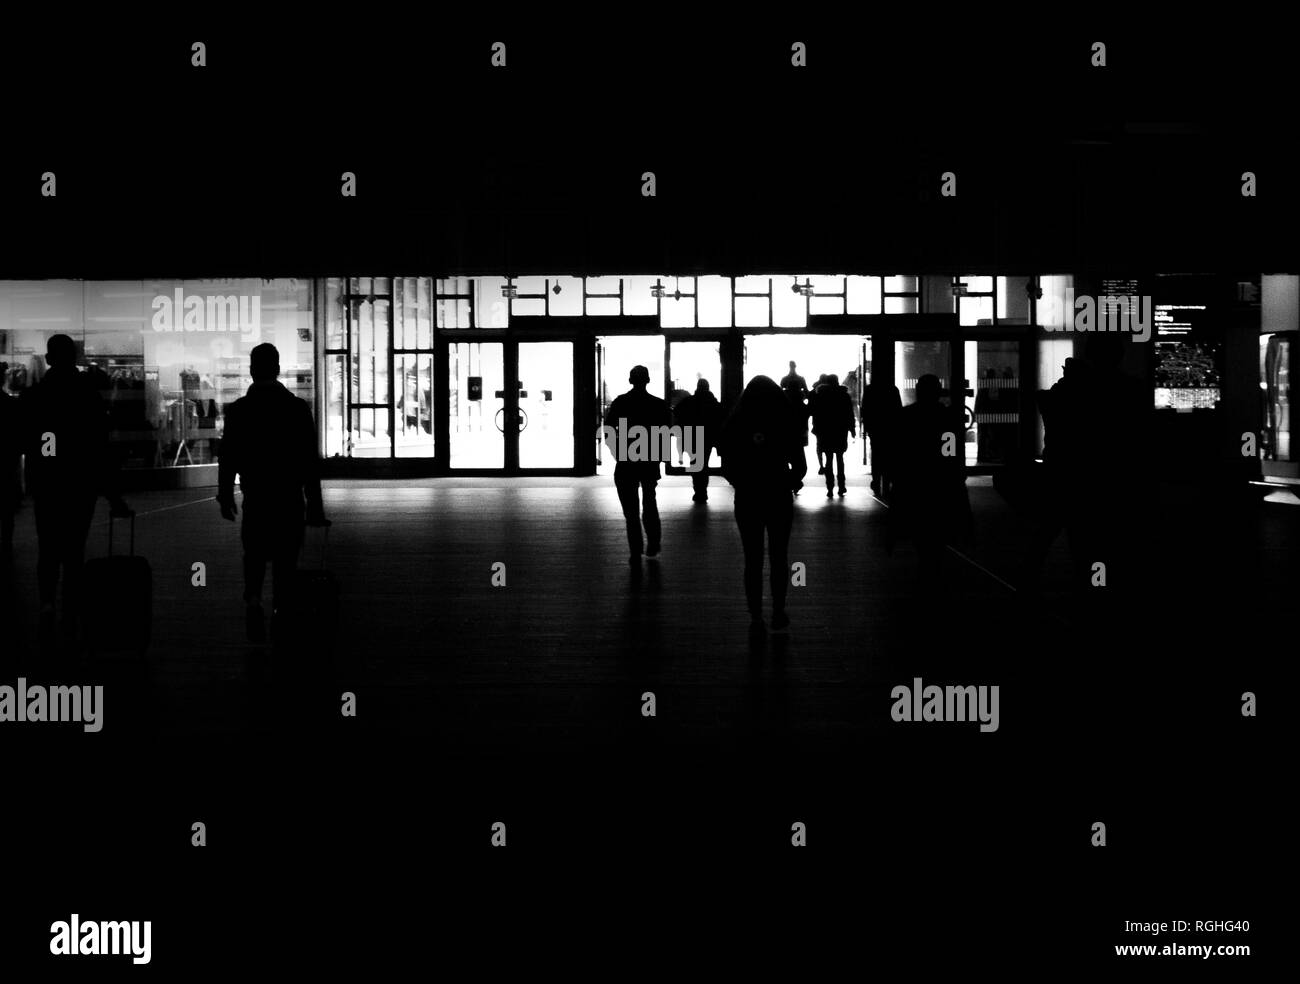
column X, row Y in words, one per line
column 61, row 428
column 918, row 465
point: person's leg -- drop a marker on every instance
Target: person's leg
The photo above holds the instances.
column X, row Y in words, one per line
column 284, row 566
column 829, row 472
column 256, row 556
column 750, row 523
column 700, row 478
column 779, row 521
column 653, row 530
column 839, row 460
column 627, row 497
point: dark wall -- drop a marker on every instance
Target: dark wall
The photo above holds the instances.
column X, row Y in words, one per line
column 168, row 170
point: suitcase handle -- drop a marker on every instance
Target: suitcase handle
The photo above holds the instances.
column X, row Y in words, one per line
column 110, row 534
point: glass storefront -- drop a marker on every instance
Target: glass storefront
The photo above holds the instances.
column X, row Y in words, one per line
column 495, row 372
column 169, row 356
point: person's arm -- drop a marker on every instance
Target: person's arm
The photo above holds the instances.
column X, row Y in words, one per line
column 611, row 427
column 227, row 466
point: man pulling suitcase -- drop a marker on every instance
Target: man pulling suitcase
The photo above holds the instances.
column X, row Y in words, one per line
column 66, row 440
column 270, row 443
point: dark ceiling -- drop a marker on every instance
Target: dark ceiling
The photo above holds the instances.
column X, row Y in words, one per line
column 168, row 170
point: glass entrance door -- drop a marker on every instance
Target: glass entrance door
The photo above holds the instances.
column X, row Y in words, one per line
column 476, row 373
column 491, row 426
column 615, row 357
column 814, row 356
column 688, row 364
column 545, row 414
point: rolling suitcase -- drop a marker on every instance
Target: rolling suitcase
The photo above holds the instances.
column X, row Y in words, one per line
column 117, row 600
column 312, row 614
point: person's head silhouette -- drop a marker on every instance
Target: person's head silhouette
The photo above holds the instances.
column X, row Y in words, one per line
column 639, row 377
column 832, row 380
column 702, row 386
column 928, row 389
column 60, row 352
column 264, row 363
column 792, row 366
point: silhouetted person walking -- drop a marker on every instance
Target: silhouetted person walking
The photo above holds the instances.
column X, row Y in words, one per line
column 795, row 388
column 812, row 415
column 700, row 410
column 1093, row 461
column 833, row 423
column 270, row 443
column 763, row 458
column 66, row 425
column 930, row 500
column 635, row 480
column 881, row 404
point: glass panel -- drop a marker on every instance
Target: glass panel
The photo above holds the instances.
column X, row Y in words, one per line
column 637, row 298
column 978, row 285
column 996, row 406
column 753, row 312
column 490, row 308
column 678, row 312
column 827, row 285
column 383, row 285
column 900, row 305
column 528, row 286
column 546, row 405
column 403, row 324
column 335, row 430
column 789, row 308
column 370, row 433
column 863, row 295
column 690, row 362
column 1013, row 300
column 825, row 305
column 476, row 374
column 912, row 360
column 568, row 302
column 900, row 285
column 334, row 313
column 715, row 302
column 603, row 285
column 528, row 307
column 937, row 295
column 415, row 406
column 1051, row 306
column 423, row 321
column 453, row 313
column 1276, row 349
column 973, row 311
column 454, row 285
column 602, row 306
column 753, row 285
column 618, row 354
